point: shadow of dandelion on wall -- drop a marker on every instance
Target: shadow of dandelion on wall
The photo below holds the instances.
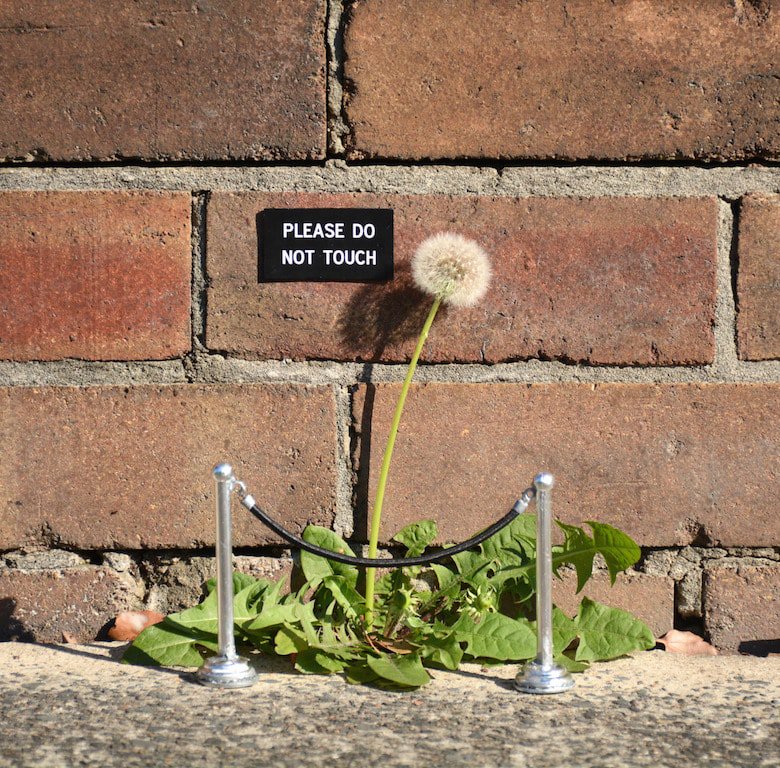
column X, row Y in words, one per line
column 381, row 319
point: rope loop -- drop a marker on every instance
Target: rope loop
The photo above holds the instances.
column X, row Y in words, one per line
column 519, row 507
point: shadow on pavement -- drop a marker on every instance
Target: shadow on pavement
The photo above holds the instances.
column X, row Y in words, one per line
column 759, row 647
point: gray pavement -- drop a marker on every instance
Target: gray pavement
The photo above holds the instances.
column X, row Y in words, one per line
column 76, row 706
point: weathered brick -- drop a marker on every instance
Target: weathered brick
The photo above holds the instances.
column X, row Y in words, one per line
column 650, row 598
column 177, row 583
column 238, row 79
column 668, row 464
column 130, row 468
column 758, row 283
column 742, row 608
column 94, row 275
column 568, row 80
column 40, row 606
column 612, row 281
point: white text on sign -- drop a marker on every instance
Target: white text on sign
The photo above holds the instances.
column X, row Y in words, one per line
column 300, row 256
column 304, row 230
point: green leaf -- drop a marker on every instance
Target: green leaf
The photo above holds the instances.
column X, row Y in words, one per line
column 360, row 674
column 473, row 567
column 619, row 550
column 444, row 576
column 417, row 536
column 276, row 615
column 240, row 581
column 384, row 583
column 401, row 670
column 168, row 644
column 289, row 640
column 606, row 633
column 244, row 601
column 172, row 642
column 513, row 541
column 579, row 550
column 442, row 651
column 314, row 662
column 345, row 595
column 497, row 637
column 316, row 568
column 564, row 630
column 568, row 663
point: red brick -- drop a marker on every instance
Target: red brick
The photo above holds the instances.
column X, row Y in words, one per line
column 612, row 281
column 562, row 80
column 94, row 275
column 758, row 284
column 40, row 606
column 669, row 464
column 130, row 468
column 236, row 79
column 742, row 608
column 650, row 598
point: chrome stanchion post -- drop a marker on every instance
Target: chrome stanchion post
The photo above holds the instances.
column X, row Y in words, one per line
column 228, row 669
column 543, row 675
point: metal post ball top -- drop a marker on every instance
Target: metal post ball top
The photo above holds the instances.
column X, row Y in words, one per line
column 544, row 481
column 222, row 472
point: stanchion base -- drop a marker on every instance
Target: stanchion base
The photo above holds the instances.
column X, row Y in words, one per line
column 224, row 672
column 540, row 679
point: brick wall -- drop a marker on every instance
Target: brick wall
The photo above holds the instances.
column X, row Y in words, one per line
column 618, row 162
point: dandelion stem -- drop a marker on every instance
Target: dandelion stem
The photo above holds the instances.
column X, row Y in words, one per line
column 376, row 513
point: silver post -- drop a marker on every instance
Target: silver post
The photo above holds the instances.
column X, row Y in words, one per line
column 228, row 669
column 543, row 675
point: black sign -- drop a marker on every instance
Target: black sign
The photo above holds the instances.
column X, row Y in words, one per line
column 346, row 245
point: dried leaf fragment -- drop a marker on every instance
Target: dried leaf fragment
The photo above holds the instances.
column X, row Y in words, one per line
column 129, row 624
column 676, row 641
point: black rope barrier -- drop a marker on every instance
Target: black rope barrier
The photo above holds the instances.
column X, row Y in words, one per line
column 397, row 562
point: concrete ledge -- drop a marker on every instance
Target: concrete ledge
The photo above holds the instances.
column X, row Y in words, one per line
column 75, row 705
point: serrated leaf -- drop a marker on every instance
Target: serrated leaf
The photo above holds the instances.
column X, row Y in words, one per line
column 277, row 615
column 316, row 568
column 384, row 584
column 618, row 549
column 497, row 636
column 579, row 550
column 240, row 581
column 417, row 536
column 245, row 600
column 407, row 671
column 345, row 595
column 606, row 633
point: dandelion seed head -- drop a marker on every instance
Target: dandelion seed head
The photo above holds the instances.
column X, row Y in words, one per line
column 452, row 267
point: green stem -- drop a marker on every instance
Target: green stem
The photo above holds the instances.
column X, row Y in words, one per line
column 376, row 514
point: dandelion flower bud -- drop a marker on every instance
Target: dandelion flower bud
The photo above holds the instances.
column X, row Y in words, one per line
column 453, row 268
